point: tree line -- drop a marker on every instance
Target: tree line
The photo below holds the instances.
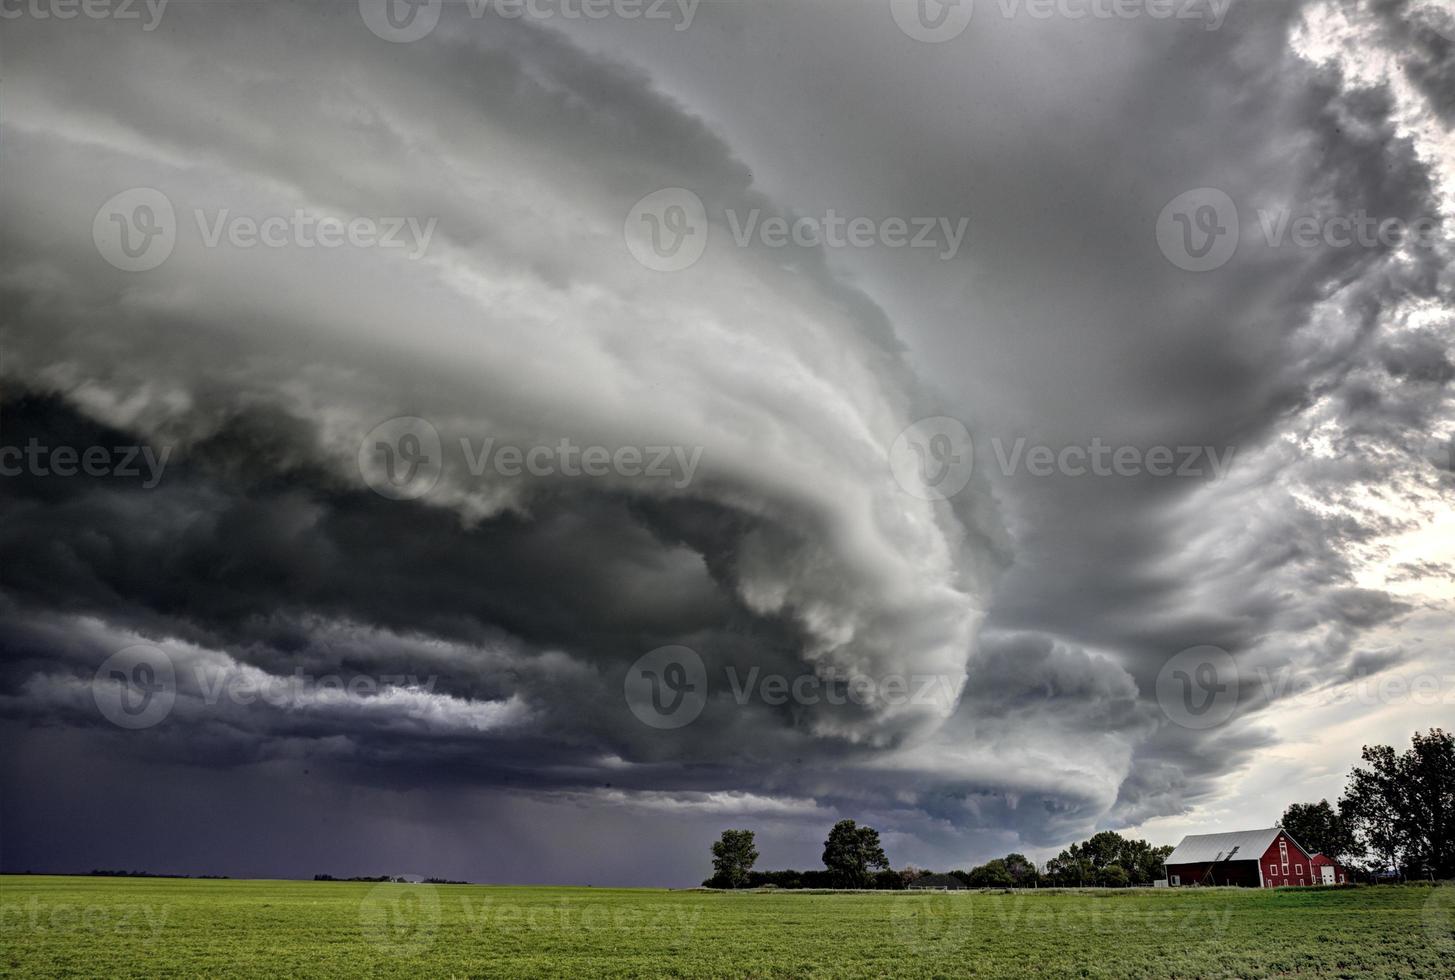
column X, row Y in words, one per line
column 853, row 857
column 1397, row 816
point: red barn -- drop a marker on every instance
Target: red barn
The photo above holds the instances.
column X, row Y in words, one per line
column 1327, row 871
column 1251, row 858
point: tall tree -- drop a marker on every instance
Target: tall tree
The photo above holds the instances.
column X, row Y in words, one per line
column 1402, row 806
column 1104, row 848
column 1022, row 870
column 1320, row 828
column 850, row 852
column 733, row 856
column 1071, row 867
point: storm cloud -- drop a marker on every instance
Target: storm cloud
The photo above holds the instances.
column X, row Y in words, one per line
column 372, row 676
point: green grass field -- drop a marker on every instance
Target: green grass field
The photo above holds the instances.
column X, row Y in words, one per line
column 139, row 927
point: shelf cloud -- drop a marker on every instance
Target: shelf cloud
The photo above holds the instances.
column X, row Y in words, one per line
column 432, row 477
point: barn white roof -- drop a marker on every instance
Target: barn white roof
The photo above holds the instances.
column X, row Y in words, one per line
column 1201, row 848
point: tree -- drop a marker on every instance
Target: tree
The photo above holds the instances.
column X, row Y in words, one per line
column 733, row 856
column 1084, row 863
column 991, row 874
column 1022, row 870
column 1320, row 828
column 909, row 873
column 1070, row 868
column 1402, row 807
column 1113, row 876
column 1143, row 862
column 850, row 852
column 1104, row 848
column 888, row 880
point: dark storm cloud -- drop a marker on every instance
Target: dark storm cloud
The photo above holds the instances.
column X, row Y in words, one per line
column 519, row 604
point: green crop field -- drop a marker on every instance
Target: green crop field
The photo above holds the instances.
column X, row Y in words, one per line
column 145, row 927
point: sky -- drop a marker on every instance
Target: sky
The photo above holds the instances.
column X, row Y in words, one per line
column 515, row 442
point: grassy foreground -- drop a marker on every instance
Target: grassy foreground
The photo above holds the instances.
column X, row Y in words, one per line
column 138, row 927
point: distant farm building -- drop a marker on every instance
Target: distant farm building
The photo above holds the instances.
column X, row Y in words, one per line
column 1251, row 859
column 1327, row 871
column 936, row 883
